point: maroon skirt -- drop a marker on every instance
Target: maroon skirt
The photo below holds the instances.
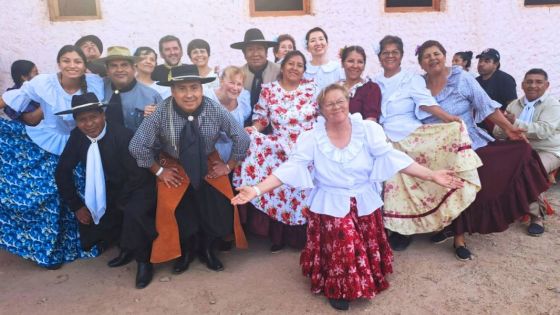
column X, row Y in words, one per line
column 512, row 176
column 259, row 223
column 347, row 258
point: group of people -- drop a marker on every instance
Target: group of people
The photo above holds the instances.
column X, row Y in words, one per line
column 177, row 161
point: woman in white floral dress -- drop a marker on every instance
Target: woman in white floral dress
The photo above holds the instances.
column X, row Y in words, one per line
column 289, row 106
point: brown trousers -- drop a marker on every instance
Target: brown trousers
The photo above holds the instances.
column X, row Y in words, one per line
column 167, row 245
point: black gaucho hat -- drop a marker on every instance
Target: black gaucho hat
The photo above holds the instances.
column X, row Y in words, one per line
column 253, row 36
column 83, row 103
column 184, row 73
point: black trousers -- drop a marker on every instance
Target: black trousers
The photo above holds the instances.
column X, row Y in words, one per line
column 107, row 231
column 204, row 211
column 139, row 227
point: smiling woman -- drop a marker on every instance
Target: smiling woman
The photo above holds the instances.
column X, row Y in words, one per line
column 289, row 106
column 198, row 51
column 36, row 226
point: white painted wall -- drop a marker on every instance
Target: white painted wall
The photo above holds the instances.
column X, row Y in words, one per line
column 525, row 37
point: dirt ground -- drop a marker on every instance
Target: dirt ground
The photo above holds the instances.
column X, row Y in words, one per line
column 512, row 273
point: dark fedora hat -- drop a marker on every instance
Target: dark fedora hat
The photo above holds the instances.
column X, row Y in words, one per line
column 253, row 36
column 184, row 73
column 83, row 103
column 92, row 38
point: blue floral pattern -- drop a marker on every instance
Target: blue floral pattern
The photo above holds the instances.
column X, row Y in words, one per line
column 34, row 223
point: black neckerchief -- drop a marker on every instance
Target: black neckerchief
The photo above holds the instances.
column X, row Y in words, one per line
column 256, row 86
column 191, row 146
column 114, row 112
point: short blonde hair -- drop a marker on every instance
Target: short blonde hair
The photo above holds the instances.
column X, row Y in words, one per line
column 329, row 88
column 232, row 71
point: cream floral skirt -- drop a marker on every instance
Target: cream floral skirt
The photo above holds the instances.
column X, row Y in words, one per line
column 415, row 206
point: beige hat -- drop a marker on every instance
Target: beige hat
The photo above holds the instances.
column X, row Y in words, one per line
column 117, row 53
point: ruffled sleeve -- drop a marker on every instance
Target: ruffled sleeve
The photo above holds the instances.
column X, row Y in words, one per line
column 421, row 96
column 483, row 105
column 20, row 98
column 295, row 171
column 387, row 160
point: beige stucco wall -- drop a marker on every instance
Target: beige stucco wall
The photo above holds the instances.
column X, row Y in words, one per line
column 526, row 37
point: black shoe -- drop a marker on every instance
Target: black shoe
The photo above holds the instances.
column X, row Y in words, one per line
column 212, row 262
column 441, row 236
column 144, row 274
column 341, row 305
column 535, row 229
column 276, row 248
column 399, row 242
column 53, row 267
column 124, row 258
column 462, row 253
column 182, row 263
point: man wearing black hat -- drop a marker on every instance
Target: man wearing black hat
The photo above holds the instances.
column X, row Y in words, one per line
column 128, row 100
column 258, row 69
column 92, row 47
column 115, row 187
column 192, row 182
column 171, row 51
column 499, row 85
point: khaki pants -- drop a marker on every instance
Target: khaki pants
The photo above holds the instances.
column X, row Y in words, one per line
column 550, row 163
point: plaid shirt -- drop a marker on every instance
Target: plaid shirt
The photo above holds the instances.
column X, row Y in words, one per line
column 162, row 131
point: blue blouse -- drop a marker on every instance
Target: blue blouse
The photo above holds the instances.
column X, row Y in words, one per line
column 240, row 113
column 464, row 97
column 53, row 131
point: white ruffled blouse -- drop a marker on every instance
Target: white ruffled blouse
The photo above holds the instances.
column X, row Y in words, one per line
column 53, row 131
column 402, row 96
column 326, row 74
column 339, row 174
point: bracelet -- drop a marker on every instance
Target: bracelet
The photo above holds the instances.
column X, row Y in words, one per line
column 257, row 190
column 160, row 171
column 228, row 168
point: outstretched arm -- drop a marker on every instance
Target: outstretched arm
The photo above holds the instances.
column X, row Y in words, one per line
column 445, row 178
column 247, row 193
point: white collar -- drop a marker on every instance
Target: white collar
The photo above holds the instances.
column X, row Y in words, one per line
column 100, row 136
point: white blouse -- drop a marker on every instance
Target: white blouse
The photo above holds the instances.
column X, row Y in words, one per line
column 402, row 96
column 52, row 133
column 339, row 174
column 326, row 74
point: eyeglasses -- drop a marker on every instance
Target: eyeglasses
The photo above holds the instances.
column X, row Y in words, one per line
column 339, row 103
column 394, row 53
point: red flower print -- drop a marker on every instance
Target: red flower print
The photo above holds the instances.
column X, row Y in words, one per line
column 282, row 196
column 286, row 217
column 272, row 211
column 293, row 137
column 250, row 170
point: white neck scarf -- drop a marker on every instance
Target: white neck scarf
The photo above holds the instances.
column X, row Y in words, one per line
column 528, row 111
column 95, row 194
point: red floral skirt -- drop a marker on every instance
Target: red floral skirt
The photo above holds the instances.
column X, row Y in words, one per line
column 347, row 258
